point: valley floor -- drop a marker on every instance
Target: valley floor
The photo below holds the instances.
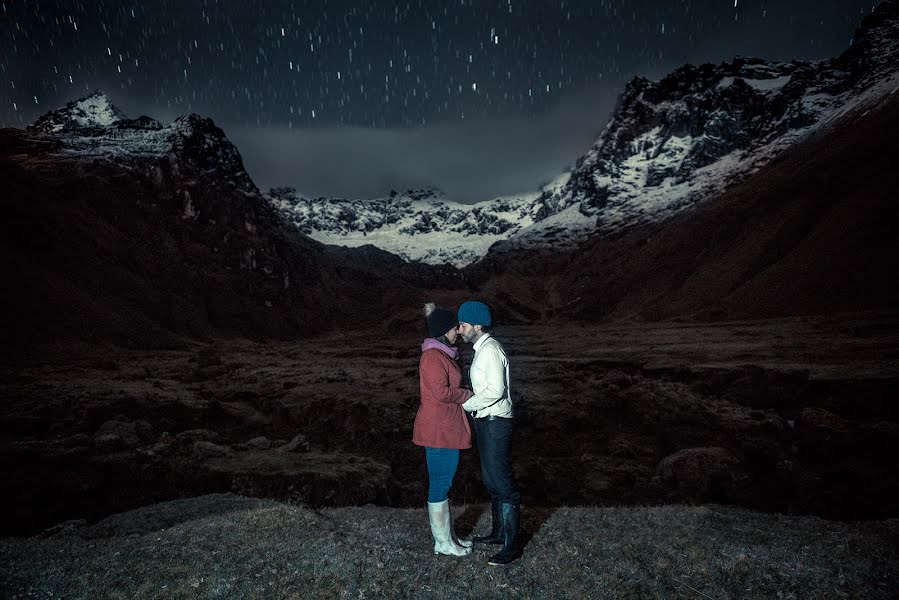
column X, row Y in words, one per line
column 834, row 346
column 226, row 546
column 794, row 416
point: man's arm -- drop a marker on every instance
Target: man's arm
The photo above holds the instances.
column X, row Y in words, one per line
column 492, row 385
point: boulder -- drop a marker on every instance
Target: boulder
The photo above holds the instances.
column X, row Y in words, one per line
column 118, row 435
column 208, row 449
column 258, row 443
column 822, row 433
column 190, row 436
column 700, row 474
column 297, row 444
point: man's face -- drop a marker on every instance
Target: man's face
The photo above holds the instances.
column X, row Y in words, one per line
column 468, row 331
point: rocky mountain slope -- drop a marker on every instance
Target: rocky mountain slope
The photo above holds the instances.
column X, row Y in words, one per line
column 812, row 232
column 136, row 232
column 669, row 145
column 809, row 232
column 675, row 142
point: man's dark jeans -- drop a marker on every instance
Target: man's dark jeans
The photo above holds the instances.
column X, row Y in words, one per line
column 494, row 439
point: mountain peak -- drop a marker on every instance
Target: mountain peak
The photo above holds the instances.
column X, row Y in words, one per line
column 94, row 127
column 93, row 110
column 430, row 193
column 203, row 144
column 874, row 51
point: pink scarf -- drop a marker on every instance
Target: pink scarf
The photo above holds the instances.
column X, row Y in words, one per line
column 429, row 343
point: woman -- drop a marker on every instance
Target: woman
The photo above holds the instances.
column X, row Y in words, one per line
column 440, row 425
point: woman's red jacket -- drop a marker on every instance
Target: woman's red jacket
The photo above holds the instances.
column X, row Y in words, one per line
column 441, row 422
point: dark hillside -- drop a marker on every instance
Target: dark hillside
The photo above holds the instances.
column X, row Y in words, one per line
column 813, row 232
column 143, row 252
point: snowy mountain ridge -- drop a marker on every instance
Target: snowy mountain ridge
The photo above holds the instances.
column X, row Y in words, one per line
column 419, row 225
column 92, row 127
column 94, row 110
column 668, row 145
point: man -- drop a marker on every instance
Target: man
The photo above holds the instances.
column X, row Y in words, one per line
column 491, row 409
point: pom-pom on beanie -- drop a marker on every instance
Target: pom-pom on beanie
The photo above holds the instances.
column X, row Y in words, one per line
column 439, row 320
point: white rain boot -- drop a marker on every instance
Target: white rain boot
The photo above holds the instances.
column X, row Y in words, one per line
column 441, row 529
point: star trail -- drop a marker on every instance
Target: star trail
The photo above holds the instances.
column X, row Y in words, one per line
column 307, row 65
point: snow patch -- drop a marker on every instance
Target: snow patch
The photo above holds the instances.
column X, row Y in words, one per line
column 95, row 111
column 762, row 85
column 189, row 210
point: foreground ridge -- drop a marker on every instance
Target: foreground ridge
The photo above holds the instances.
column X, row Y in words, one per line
column 234, row 546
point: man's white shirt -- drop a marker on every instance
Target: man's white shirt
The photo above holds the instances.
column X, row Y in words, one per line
column 489, row 375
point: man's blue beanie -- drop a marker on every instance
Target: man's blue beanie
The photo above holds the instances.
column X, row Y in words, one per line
column 474, row 313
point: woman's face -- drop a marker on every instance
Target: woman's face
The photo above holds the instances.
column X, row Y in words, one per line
column 451, row 335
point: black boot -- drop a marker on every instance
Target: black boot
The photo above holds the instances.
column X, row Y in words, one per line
column 510, row 551
column 496, row 533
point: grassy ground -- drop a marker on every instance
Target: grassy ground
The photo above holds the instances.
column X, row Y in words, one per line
column 226, row 546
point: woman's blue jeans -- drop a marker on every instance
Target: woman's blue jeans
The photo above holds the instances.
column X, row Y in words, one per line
column 442, row 465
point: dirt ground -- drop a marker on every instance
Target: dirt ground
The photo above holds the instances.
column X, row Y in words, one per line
column 792, row 415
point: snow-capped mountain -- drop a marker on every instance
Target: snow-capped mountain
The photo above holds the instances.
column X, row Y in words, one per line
column 92, row 127
column 144, row 232
column 668, row 145
column 420, row 225
column 94, row 110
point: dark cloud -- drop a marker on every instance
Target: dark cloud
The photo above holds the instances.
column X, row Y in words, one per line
column 469, row 161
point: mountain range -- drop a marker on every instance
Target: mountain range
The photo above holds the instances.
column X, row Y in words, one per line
column 669, row 145
column 744, row 189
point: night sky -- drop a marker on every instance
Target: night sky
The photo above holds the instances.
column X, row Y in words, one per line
column 355, row 98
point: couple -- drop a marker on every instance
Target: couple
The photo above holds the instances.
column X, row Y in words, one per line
column 442, row 428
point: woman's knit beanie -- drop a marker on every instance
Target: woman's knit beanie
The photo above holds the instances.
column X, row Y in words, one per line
column 439, row 320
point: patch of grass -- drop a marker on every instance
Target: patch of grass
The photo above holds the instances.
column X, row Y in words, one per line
column 226, row 546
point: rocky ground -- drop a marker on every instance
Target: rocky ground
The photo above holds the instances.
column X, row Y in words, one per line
column 226, row 546
column 790, row 415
